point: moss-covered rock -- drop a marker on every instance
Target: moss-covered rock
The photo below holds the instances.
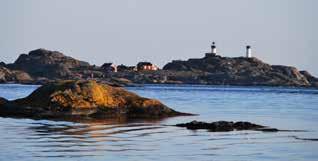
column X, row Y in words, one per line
column 84, row 99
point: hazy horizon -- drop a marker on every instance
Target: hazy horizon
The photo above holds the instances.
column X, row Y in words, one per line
column 280, row 32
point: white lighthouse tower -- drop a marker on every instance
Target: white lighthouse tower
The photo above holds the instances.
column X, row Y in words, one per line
column 213, row 48
column 248, row 51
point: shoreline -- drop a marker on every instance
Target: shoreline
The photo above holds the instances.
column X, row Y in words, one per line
column 175, row 84
column 228, row 87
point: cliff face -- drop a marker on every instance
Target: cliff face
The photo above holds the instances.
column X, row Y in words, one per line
column 241, row 71
column 45, row 63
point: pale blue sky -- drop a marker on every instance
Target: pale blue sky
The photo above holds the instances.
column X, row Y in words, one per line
column 128, row 31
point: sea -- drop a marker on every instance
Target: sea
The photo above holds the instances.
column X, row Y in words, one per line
column 158, row 140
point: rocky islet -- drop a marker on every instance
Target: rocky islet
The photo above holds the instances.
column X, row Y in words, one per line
column 84, row 99
column 42, row 66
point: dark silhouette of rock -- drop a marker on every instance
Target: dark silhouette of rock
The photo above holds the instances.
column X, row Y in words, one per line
column 2, row 64
column 15, row 76
column 125, row 68
column 84, row 99
column 45, row 63
column 223, row 126
column 214, row 69
column 3, row 101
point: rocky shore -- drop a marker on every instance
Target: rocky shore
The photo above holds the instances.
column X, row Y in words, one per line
column 43, row 66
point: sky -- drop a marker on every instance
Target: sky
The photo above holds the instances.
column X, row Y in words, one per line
column 281, row 32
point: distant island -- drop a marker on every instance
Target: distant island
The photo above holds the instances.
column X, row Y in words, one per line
column 41, row 66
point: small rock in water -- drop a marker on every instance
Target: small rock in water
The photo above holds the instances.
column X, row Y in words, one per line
column 222, row 126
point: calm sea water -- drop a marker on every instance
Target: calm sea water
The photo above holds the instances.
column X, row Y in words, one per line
column 283, row 108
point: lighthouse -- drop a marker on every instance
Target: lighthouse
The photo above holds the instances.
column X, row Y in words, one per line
column 248, row 51
column 213, row 48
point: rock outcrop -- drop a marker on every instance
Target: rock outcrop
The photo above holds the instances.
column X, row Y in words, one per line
column 15, row 76
column 84, row 99
column 49, row 64
column 224, row 126
column 214, row 69
column 313, row 80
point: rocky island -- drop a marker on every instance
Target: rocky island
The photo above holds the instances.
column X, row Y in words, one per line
column 217, row 70
column 42, row 66
column 84, row 99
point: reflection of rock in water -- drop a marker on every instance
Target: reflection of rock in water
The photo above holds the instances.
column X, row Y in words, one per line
column 96, row 127
column 68, row 139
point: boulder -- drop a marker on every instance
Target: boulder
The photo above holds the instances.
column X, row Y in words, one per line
column 84, row 99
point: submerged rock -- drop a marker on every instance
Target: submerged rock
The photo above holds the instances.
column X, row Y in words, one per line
column 84, row 99
column 223, row 126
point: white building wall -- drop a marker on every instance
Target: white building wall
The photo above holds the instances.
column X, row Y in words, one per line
column 213, row 51
column 248, row 52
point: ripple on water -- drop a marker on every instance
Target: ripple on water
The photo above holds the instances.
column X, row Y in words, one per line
column 156, row 140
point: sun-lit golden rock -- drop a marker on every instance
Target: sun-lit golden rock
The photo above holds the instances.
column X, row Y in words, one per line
column 85, row 98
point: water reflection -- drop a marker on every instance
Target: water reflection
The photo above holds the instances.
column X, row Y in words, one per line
column 150, row 140
column 134, row 139
column 139, row 137
column 91, row 138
